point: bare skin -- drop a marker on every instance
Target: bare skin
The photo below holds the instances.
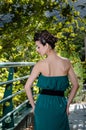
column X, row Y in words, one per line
column 53, row 65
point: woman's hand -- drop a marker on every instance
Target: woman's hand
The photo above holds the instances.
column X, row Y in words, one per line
column 67, row 110
column 33, row 109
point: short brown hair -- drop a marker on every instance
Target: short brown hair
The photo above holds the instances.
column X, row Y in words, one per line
column 45, row 37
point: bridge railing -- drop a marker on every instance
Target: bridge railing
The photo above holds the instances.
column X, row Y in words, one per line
column 14, row 104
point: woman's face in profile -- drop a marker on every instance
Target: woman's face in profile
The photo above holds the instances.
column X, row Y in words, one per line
column 40, row 48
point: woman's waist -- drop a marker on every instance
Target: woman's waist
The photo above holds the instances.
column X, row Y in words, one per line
column 52, row 92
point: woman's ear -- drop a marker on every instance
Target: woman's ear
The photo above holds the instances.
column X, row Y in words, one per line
column 47, row 45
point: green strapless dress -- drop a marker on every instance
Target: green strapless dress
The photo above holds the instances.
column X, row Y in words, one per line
column 50, row 111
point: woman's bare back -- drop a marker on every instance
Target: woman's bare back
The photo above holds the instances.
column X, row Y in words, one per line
column 55, row 66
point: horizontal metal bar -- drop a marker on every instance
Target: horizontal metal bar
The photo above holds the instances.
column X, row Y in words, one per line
column 17, row 79
column 7, row 98
column 15, row 64
column 21, row 117
column 10, row 113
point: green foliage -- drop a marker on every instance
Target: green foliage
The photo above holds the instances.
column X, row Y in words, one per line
column 84, row 71
column 27, row 16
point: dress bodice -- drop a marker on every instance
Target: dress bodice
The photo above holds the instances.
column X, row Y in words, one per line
column 53, row 82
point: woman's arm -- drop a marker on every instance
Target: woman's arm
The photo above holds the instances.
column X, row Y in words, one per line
column 34, row 74
column 75, row 85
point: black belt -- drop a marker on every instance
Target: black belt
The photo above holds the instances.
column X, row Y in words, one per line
column 52, row 92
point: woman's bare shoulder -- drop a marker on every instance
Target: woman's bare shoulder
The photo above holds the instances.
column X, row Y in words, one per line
column 39, row 64
column 66, row 62
column 65, row 59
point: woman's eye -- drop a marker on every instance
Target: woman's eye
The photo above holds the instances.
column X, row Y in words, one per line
column 37, row 47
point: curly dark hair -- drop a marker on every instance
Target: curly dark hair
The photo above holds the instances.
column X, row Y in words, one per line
column 45, row 37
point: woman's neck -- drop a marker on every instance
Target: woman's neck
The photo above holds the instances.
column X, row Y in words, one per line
column 51, row 53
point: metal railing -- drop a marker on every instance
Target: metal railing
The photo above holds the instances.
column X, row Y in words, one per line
column 12, row 116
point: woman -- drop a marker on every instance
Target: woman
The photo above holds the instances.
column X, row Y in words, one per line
column 51, row 109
